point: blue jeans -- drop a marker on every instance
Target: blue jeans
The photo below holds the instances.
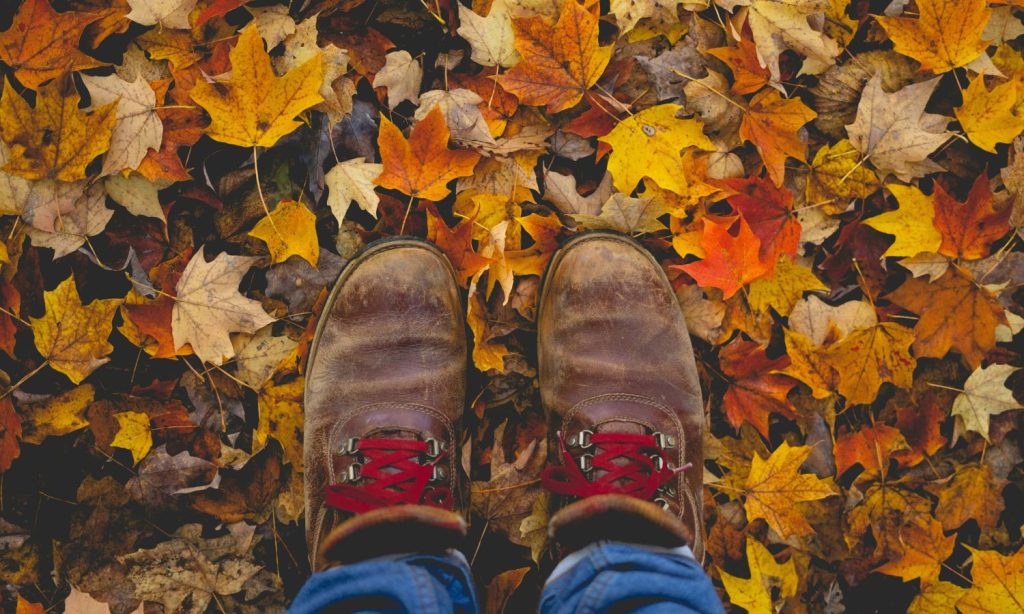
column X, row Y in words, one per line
column 603, row 577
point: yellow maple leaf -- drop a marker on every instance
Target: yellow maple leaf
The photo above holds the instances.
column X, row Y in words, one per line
column 925, row 548
column 998, row 583
column 648, row 144
column 946, row 34
column 56, row 139
column 912, row 224
column 755, row 593
column 807, row 364
column 135, row 434
column 775, row 484
column 290, row 230
column 837, row 177
column 870, row 356
column 58, row 415
column 987, row 115
column 72, row 336
column 782, row 290
column 281, row 417
column 256, row 107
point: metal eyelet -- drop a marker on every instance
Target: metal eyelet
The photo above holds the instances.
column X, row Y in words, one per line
column 434, row 447
column 586, row 462
column 438, row 473
column 354, row 472
column 582, row 439
column 664, row 441
column 349, row 447
column 663, row 503
column 659, row 462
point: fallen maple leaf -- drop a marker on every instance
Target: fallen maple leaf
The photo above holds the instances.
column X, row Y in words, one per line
column 72, row 337
column 42, row 44
column 870, row 356
column 968, row 229
column 402, row 76
column 352, row 180
column 730, row 261
column 912, row 224
column 208, row 306
column 649, row 144
column 947, row 34
column 769, row 212
column 137, row 127
column 775, row 484
column 423, row 165
column 755, row 390
column 997, row 582
column 456, row 243
column 772, row 123
column 972, row 493
column 925, row 549
column 166, row 13
column 894, row 132
column 984, row 395
column 135, row 434
column 289, row 230
column 559, row 61
column 870, row 447
column 256, row 107
column 768, row 578
column 491, row 39
column 778, row 25
column 54, row 140
column 987, row 116
column 955, row 312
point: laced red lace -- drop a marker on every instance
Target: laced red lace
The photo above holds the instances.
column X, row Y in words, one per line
column 625, row 459
column 392, row 473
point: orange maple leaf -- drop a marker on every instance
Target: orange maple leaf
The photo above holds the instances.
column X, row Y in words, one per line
column 870, row 447
column 423, row 165
column 955, row 312
column 755, row 390
column 456, row 243
column 42, row 44
column 769, row 211
column 746, row 68
column 729, row 261
column 772, row 123
column 560, row 61
column 968, row 229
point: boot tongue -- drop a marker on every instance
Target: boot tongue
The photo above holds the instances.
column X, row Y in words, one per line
column 621, row 426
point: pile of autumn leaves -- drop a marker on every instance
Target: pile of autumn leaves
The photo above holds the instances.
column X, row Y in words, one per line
column 828, row 237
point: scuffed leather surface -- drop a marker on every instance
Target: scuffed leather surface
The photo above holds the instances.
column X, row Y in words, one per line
column 388, row 360
column 615, row 355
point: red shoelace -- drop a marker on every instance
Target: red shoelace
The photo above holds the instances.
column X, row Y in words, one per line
column 625, row 459
column 392, row 473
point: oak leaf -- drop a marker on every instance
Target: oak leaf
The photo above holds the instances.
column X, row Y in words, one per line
column 947, row 34
column 42, row 44
column 987, row 116
column 730, row 261
column 776, row 484
column 772, row 123
column 256, row 107
column 894, row 132
column 968, row 229
column 767, row 577
column 912, row 223
column 560, row 60
column 870, row 356
column 290, row 230
column 955, row 313
column 55, row 140
column 649, row 144
column 208, row 306
column 423, row 165
column 755, row 389
column 984, row 395
column 72, row 336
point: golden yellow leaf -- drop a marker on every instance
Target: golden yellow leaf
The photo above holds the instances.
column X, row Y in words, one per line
column 870, row 356
column 134, row 434
column 281, row 418
column 256, row 107
column 56, row 139
column 998, row 583
column 57, row 415
column 925, row 548
column 937, row 598
column 946, row 34
column 72, row 336
column 755, row 593
column 973, row 493
column 782, row 290
column 289, row 231
column 775, row 484
column 912, row 224
column 987, row 116
column 487, row 355
column 837, row 177
column 650, row 144
column 807, row 364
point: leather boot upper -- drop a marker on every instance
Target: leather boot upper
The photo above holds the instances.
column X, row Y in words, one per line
column 616, row 365
column 387, row 364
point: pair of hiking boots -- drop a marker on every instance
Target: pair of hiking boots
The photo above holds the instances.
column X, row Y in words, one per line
column 385, row 388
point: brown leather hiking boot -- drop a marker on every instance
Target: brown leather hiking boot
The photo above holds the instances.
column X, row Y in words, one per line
column 385, row 386
column 618, row 376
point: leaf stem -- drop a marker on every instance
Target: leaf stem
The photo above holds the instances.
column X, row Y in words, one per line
column 259, row 190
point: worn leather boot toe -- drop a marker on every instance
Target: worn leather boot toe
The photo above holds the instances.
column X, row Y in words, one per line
column 385, row 386
column 619, row 379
